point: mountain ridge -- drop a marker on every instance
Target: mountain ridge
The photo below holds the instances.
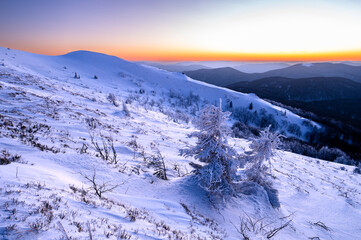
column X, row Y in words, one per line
column 295, row 71
column 303, row 89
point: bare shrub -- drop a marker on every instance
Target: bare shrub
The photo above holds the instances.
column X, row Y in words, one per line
column 251, row 228
column 122, row 234
column 37, row 225
column 92, row 123
column 99, row 188
column 106, row 150
column 160, row 169
column 133, row 214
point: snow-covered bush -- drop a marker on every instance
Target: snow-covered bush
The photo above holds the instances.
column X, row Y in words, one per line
column 126, row 110
column 157, row 161
column 330, row 153
column 357, row 170
column 241, row 130
column 325, row 153
column 111, row 97
column 343, row 159
column 260, row 119
column 217, row 176
column 178, row 116
column 299, row 147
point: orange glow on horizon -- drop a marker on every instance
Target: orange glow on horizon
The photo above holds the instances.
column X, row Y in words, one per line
column 145, row 54
column 246, row 57
column 279, row 30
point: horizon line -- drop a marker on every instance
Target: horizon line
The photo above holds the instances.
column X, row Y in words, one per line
column 198, row 56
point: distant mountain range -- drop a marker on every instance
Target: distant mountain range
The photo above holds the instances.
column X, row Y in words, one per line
column 219, row 76
column 301, row 89
column 333, row 97
column 260, row 67
column 326, row 89
column 227, row 76
column 318, row 70
column 176, row 67
column 252, row 67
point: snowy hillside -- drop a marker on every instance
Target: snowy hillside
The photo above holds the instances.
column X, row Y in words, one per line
column 55, row 121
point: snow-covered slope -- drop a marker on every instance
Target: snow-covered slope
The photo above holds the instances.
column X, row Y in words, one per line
column 122, row 75
column 48, row 117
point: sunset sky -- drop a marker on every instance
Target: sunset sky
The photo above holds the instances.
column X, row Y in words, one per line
column 170, row 30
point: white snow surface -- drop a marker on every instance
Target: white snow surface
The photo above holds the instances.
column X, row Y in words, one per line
column 46, row 195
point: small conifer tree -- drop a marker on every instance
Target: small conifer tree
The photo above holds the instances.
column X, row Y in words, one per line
column 263, row 149
column 217, row 176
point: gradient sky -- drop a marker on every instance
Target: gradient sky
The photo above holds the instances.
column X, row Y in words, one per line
column 172, row 30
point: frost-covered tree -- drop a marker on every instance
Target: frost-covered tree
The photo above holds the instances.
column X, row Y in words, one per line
column 217, row 176
column 263, row 148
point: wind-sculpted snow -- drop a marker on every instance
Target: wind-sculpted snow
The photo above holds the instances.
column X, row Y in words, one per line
column 65, row 130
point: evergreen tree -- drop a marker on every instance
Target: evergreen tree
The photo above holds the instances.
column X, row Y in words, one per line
column 217, row 176
column 263, row 149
